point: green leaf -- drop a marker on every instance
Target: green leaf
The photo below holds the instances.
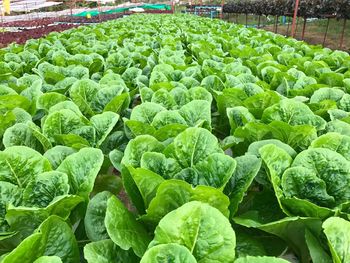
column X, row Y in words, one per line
column 53, row 238
column 61, row 122
column 105, row 251
column 256, row 146
column 198, row 226
column 45, row 142
column 293, row 113
column 95, row 216
column 252, row 242
column 116, row 157
column 334, row 141
column 163, row 98
column 132, row 190
column 339, row 127
column 194, row 145
column 21, row 134
column 104, row 96
column 230, row 98
column 21, row 115
column 299, row 137
column 212, row 82
column 168, row 252
column 216, row 170
column 72, row 140
column 44, row 188
column 115, row 140
column 238, row 116
column 158, row 163
column 317, row 253
column 69, row 105
column 195, row 112
column 253, row 131
column 305, row 184
column 344, row 103
column 145, row 112
column 247, row 168
column 198, row 93
column 169, row 131
column 277, row 161
column 17, row 217
column 332, row 79
column 123, row 228
column 171, row 194
column 330, row 167
column 165, row 118
column 290, row 229
column 337, row 232
column 50, row 73
column 9, row 102
column 32, row 93
column 323, row 108
column 137, row 147
column 9, row 194
column 107, row 182
column 250, row 259
column 103, row 124
column 257, row 103
column 57, row 154
column 82, row 168
column 49, row 99
column 119, row 103
column 6, row 121
column 136, row 128
column 147, row 183
column 26, row 134
column 48, row 259
column 327, row 94
column 82, row 93
column 20, row 164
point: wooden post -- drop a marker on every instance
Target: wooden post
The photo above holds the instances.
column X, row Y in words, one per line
column 246, row 20
column 71, row 8
column 304, row 27
column 342, row 35
column 2, row 18
column 259, row 21
column 287, row 28
column 325, row 34
column 99, row 9
column 295, row 17
column 36, row 10
column 276, row 24
column 296, row 27
column 27, row 12
column 222, row 9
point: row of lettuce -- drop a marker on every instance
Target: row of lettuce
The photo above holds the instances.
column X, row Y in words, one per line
column 230, row 145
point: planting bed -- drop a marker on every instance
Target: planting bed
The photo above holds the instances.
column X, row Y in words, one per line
column 23, row 35
column 158, row 138
column 30, row 23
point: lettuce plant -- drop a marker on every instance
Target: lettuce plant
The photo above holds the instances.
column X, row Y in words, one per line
column 173, row 138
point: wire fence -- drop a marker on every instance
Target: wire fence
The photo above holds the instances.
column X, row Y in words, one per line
column 329, row 31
